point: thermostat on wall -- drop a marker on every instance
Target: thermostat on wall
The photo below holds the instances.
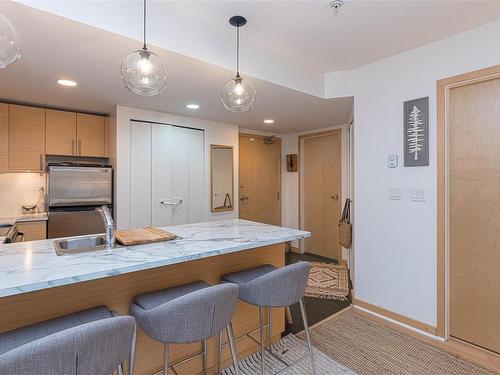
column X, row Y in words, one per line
column 392, row 160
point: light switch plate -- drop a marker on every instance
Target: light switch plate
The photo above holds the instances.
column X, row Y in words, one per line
column 418, row 195
column 395, row 193
column 392, row 160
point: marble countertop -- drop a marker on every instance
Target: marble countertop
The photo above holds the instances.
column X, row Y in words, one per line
column 34, row 265
column 21, row 218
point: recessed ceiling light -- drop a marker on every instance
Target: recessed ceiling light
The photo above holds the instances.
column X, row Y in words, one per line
column 193, row 106
column 67, row 82
column 268, row 121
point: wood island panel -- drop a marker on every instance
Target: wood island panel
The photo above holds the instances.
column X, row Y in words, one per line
column 117, row 292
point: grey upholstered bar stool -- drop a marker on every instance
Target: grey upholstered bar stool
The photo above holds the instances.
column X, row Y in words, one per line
column 268, row 286
column 187, row 314
column 89, row 342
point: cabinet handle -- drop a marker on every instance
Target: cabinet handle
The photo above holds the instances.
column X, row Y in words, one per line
column 41, row 162
column 79, row 147
column 73, row 147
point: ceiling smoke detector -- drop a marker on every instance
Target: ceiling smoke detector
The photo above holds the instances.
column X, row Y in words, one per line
column 336, row 5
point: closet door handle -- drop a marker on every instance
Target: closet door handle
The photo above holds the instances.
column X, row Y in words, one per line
column 176, row 202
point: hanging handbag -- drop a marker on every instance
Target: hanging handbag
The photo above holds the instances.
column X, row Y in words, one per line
column 345, row 227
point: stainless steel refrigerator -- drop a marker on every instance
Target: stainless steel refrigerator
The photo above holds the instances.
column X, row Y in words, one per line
column 75, row 191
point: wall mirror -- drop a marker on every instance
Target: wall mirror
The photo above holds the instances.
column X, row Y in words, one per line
column 222, row 178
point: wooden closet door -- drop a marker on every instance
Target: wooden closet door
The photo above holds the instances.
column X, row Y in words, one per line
column 4, row 136
column 26, row 138
column 60, row 132
column 474, row 212
column 322, row 182
column 91, row 134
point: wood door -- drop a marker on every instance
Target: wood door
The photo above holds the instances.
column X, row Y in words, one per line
column 90, row 134
column 4, row 136
column 321, row 182
column 60, row 132
column 260, row 179
column 474, row 212
column 26, row 138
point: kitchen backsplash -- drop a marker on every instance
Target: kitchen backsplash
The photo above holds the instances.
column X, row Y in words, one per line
column 17, row 189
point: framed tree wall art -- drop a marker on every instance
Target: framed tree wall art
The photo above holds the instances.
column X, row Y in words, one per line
column 416, row 132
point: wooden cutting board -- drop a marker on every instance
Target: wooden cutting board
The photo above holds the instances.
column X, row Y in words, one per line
column 143, row 235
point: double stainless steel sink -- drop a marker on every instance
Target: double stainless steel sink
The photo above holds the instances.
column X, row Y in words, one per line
column 78, row 245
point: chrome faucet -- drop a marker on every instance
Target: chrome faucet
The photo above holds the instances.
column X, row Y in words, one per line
column 108, row 225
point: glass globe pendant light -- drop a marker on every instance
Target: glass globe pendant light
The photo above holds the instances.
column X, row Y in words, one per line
column 144, row 72
column 238, row 94
column 10, row 50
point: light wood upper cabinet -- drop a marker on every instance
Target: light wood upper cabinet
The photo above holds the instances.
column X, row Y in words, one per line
column 90, row 132
column 60, row 133
column 26, row 138
column 4, row 137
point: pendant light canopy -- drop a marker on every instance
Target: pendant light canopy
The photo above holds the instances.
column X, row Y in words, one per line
column 144, row 72
column 10, row 50
column 238, row 94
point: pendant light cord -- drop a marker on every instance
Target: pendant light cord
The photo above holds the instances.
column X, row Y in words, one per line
column 144, row 25
column 238, row 51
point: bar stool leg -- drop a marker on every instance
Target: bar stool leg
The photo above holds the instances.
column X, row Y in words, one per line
column 120, row 369
column 205, row 357
column 165, row 359
column 131, row 362
column 262, row 352
column 270, row 317
column 232, row 346
column 306, row 330
column 219, row 351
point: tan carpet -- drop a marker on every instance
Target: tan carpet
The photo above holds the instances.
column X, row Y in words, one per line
column 328, row 281
column 369, row 348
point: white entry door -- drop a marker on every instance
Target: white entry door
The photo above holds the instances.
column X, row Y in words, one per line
column 167, row 169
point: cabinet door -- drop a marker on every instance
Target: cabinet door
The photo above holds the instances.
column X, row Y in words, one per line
column 4, row 137
column 60, row 131
column 161, row 189
column 26, row 138
column 187, row 152
column 197, row 197
column 90, row 134
column 140, row 175
column 33, row 230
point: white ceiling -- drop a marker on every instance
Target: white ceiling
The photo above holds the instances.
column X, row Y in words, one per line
column 287, row 45
column 54, row 47
column 291, row 43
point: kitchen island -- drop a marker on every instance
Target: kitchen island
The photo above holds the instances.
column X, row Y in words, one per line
column 36, row 284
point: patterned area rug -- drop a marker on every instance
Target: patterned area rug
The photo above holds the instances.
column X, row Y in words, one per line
column 288, row 350
column 369, row 348
column 328, row 281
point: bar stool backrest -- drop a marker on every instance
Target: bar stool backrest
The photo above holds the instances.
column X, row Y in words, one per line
column 95, row 348
column 193, row 317
column 282, row 287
